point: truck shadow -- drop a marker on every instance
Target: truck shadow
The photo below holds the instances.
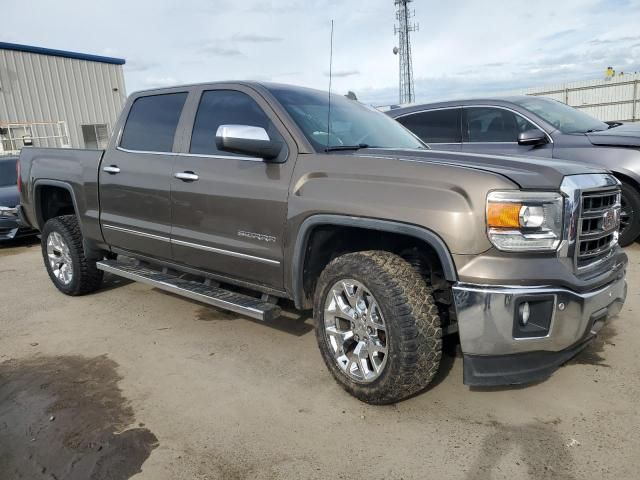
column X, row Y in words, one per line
column 8, row 246
column 292, row 321
column 112, row 282
column 539, row 446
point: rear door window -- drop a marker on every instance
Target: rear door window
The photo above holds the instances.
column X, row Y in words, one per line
column 494, row 125
column 152, row 122
column 435, row 126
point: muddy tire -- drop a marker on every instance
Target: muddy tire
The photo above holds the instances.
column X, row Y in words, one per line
column 377, row 326
column 64, row 258
column 630, row 221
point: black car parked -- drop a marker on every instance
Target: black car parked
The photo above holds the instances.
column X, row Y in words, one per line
column 531, row 125
column 9, row 199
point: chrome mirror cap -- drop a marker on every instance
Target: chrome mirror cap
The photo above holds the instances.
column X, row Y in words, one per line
column 245, row 132
column 248, row 140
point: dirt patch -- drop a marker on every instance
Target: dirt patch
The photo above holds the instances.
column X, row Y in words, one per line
column 540, row 449
column 66, row 418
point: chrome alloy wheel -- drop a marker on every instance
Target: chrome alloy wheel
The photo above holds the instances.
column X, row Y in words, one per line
column 59, row 258
column 355, row 330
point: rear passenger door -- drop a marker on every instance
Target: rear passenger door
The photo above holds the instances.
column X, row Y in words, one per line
column 231, row 220
column 439, row 128
column 488, row 129
column 135, row 176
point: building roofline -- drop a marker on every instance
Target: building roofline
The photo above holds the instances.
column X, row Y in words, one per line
column 61, row 53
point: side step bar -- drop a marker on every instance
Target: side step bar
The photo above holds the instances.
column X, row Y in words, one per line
column 218, row 297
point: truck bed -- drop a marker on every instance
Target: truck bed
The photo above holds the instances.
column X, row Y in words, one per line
column 76, row 170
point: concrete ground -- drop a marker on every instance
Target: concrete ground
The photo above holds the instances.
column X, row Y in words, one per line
column 131, row 381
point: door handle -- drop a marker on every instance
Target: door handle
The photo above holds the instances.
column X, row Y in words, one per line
column 112, row 169
column 187, row 176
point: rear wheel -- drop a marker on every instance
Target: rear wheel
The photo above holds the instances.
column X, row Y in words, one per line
column 64, row 258
column 377, row 326
column 630, row 215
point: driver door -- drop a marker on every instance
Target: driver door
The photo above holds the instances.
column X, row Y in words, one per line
column 229, row 214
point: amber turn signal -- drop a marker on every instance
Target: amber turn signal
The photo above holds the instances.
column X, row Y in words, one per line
column 503, row 215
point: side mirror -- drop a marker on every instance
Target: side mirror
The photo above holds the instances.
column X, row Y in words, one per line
column 247, row 140
column 532, row 137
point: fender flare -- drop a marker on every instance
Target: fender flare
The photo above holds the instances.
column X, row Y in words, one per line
column 91, row 250
column 51, row 183
column 421, row 233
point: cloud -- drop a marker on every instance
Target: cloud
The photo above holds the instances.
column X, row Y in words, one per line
column 153, row 82
column 139, row 66
column 252, row 38
column 219, row 51
column 342, row 73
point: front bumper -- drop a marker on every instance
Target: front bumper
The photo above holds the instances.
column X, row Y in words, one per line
column 11, row 224
column 494, row 350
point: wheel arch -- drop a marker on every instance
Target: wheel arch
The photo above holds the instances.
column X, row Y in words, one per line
column 424, row 236
column 626, row 178
column 45, row 185
column 68, row 206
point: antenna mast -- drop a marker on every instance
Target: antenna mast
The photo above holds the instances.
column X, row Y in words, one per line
column 403, row 28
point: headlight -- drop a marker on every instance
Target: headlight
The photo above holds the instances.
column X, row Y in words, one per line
column 524, row 221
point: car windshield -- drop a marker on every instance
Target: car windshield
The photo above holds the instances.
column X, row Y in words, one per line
column 565, row 118
column 7, row 172
column 352, row 123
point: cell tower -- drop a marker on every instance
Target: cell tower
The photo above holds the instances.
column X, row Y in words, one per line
column 403, row 28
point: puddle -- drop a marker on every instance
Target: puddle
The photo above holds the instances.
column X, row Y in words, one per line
column 593, row 354
column 66, row 418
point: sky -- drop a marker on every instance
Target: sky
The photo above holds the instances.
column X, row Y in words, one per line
column 463, row 48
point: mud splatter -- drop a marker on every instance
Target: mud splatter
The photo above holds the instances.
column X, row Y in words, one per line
column 66, row 418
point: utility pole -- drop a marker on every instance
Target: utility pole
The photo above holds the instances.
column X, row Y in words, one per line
column 403, row 28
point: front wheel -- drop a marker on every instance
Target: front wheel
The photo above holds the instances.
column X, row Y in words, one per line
column 629, row 215
column 70, row 271
column 377, row 326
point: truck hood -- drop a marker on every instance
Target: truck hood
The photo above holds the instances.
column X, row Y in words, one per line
column 9, row 196
column 625, row 135
column 527, row 172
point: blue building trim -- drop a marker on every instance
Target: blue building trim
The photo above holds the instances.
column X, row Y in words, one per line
column 61, row 53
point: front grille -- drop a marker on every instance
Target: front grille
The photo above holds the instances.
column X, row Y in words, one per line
column 598, row 226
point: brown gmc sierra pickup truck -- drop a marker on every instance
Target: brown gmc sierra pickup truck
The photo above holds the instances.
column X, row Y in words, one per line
column 240, row 194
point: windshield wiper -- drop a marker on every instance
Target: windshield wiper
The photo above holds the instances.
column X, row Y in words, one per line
column 346, row 147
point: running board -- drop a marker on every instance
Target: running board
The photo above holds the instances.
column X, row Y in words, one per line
column 216, row 296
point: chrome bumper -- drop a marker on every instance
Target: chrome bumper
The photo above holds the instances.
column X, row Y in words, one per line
column 486, row 316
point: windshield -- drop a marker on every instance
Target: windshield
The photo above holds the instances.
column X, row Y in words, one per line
column 8, row 172
column 565, row 118
column 352, row 123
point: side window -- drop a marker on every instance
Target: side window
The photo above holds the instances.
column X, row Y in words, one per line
column 487, row 124
column 225, row 107
column 436, row 126
column 152, row 122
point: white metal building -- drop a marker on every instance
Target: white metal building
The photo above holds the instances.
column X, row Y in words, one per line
column 57, row 98
column 612, row 99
